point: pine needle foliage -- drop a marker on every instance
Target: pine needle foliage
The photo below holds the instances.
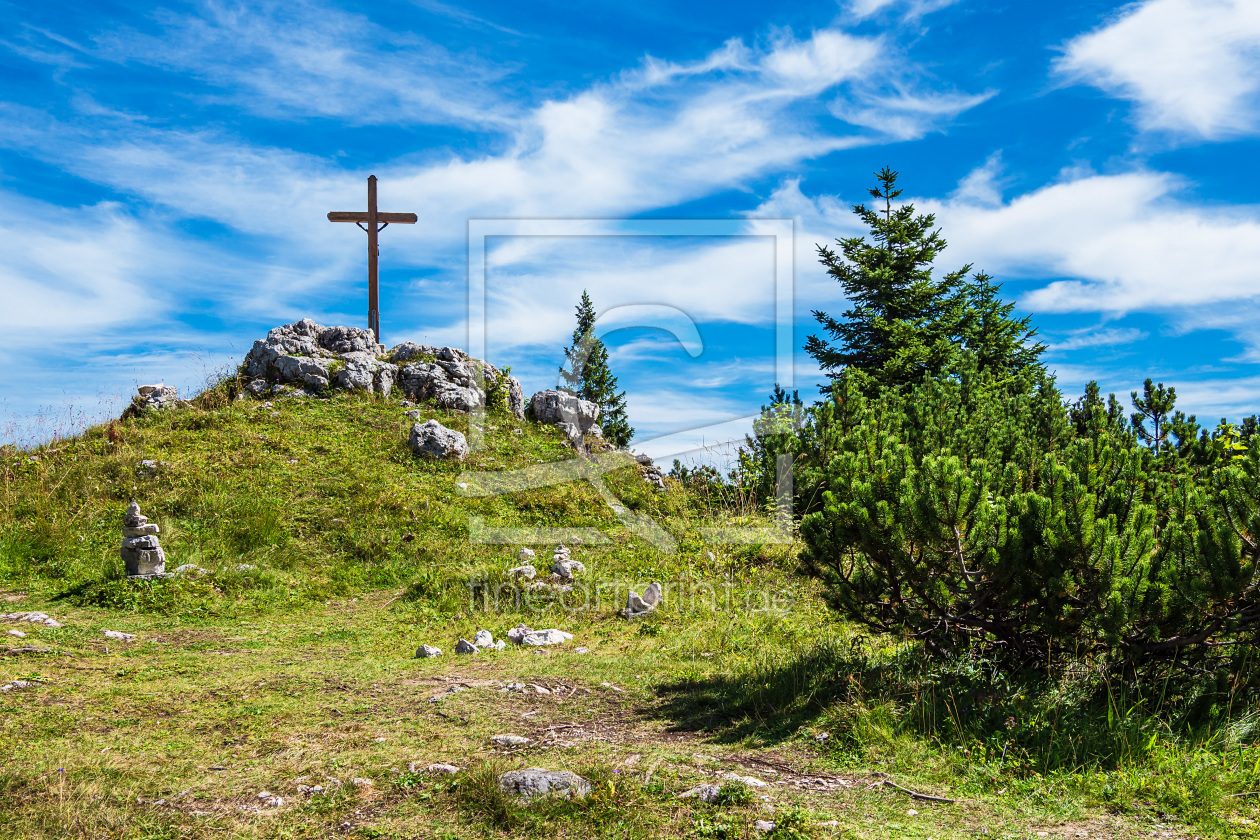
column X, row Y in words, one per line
column 585, row 373
column 906, row 321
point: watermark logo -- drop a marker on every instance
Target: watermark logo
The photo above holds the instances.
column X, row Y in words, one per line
column 592, row 467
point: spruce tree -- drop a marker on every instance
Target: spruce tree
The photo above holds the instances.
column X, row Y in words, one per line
column 904, row 321
column 585, row 374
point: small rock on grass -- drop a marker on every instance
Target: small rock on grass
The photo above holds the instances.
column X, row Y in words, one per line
column 16, row 684
column 535, row 782
column 427, row 651
column 269, row 799
column 17, row 634
column 705, row 793
column 483, row 638
column 540, row 638
column 747, row 780
column 360, row 782
column 120, row 637
column 464, row 647
column 763, row 826
column 509, row 741
column 434, row 769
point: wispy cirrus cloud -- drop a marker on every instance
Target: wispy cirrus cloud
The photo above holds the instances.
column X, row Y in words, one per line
column 1192, row 67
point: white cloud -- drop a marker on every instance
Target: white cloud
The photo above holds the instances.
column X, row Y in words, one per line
column 1127, row 242
column 1096, row 337
column 301, row 58
column 1192, row 66
column 914, row 9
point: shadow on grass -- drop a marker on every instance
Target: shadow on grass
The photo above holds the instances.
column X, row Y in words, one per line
column 769, row 703
column 868, row 697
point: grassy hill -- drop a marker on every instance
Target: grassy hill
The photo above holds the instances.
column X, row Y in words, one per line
column 330, row 553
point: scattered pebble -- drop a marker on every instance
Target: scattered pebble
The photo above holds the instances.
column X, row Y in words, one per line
column 361, row 782
column 509, row 740
column 613, row 687
column 439, row 769
column 912, row 813
column 16, row 684
column 269, row 800
column 763, row 826
column 17, row 634
column 582, row 650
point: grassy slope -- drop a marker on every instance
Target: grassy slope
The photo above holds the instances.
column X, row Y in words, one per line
column 301, row 665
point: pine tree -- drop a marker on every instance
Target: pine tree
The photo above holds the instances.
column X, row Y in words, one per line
column 585, row 374
column 904, row 321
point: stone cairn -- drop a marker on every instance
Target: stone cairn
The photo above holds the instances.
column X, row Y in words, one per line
column 141, row 553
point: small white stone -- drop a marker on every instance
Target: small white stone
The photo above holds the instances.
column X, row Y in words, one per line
column 762, row 826
column 120, row 637
column 361, row 782
column 912, row 813
column 427, row 651
column 483, row 638
column 509, row 740
column 17, row 634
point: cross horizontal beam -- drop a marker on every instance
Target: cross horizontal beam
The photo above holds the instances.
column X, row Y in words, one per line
column 389, row 218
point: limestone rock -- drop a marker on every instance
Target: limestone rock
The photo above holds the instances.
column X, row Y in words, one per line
column 535, row 782
column 483, row 639
column 637, row 607
column 526, row 555
column 448, row 377
column 119, row 637
column 517, row 633
column 158, row 396
column 705, row 793
column 523, row 572
column 763, row 826
column 433, row 440
column 540, row 638
column 464, row 647
column 427, row 651
column 509, row 741
column 575, row 417
column 441, row 769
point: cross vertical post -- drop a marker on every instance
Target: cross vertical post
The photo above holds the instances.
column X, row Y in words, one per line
column 376, row 222
column 374, row 303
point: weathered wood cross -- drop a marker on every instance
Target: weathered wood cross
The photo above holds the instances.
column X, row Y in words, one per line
column 373, row 217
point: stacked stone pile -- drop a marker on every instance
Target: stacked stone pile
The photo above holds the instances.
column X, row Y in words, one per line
column 141, row 553
column 563, row 567
column 315, row 358
column 650, row 472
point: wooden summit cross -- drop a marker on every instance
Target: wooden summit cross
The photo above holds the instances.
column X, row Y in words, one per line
column 373, row 217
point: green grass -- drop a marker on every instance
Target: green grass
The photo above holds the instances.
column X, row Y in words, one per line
column 301, row 668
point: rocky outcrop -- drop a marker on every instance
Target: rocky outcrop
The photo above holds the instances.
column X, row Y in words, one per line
column 317, row 358
column 575, row 417
column 433, row 440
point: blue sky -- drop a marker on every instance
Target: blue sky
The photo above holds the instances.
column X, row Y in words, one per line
column 165, row 170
